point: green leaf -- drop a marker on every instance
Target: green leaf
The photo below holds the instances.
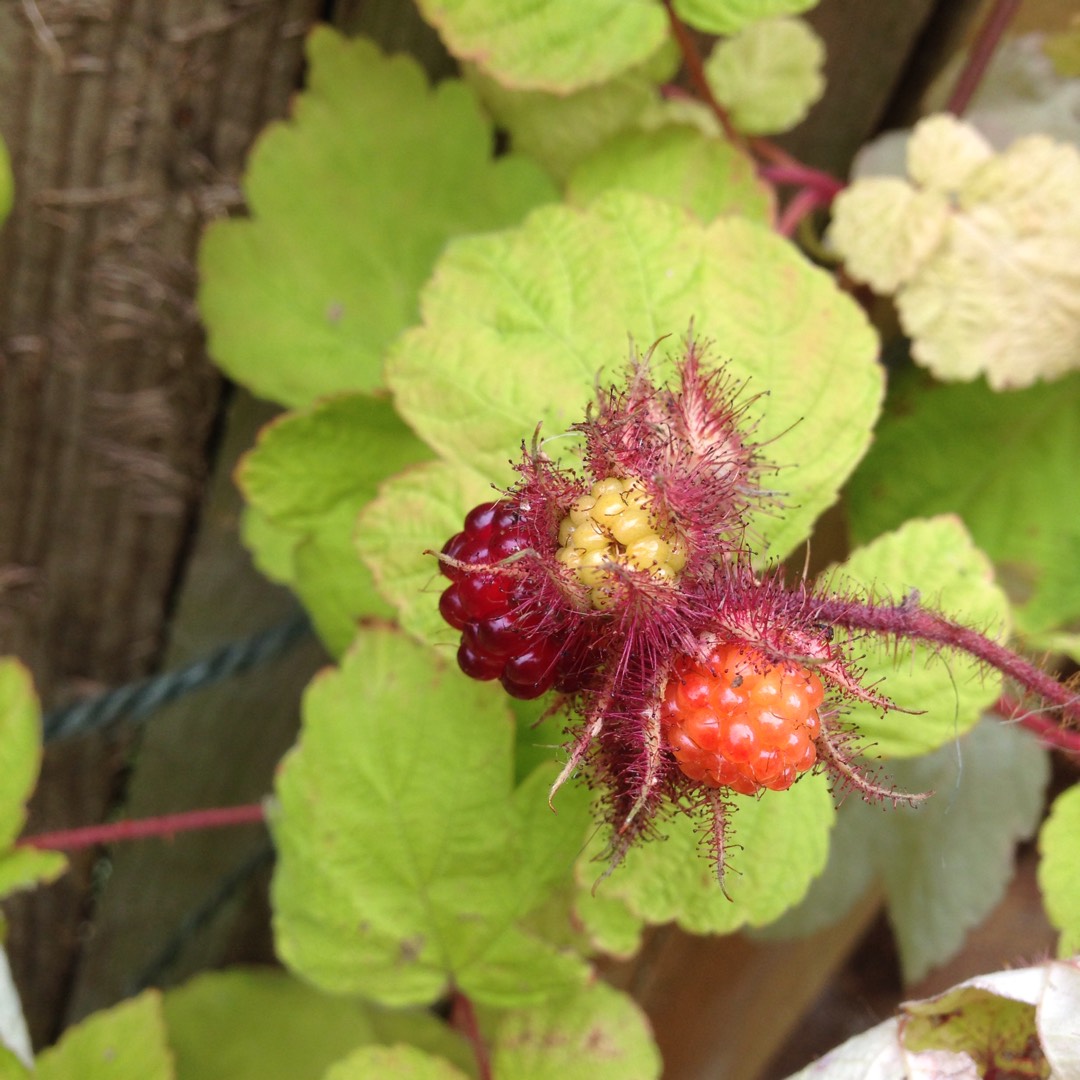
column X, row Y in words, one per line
column 768, row 75
column 952, row 858
column 559, row 130
column 730, row 16
column 995, row 1031
column 777, row 845
column 945, row 864
column 418, row 511
column 406, row 858
column 20, row 746
column 517, row 325
column 707, row 176
column 400, row 1062
column 261, row 1024
column 553, row 45
column 7, row 183
column 351, row 202
column 1006, row 463
column 271, row 546
column 944, row 693
column 20, row 760
column 126, row 1042
column 596, row 1033
column 23, row 868
column 11, row 1067
column 308, row 477
column 1059, row 870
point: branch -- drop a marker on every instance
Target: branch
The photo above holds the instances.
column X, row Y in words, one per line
column 982, row 51
column 804, row 202
column 1048, row 731
column 463, row 1019
column 908, row 620
column 695, row 69
column 167, row 826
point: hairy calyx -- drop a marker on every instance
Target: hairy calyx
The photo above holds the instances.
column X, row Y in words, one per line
column 627, row 585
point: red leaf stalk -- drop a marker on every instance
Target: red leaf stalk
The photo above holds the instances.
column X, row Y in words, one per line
column 982, row 51
column 168, row 826
column 463, row 1019
column 1048, row 731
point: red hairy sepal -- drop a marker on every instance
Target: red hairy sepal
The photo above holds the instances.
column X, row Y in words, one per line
column 609, row 631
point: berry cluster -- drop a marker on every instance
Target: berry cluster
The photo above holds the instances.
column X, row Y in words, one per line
column 741, row 720
column 613, row 524
column 497, row 640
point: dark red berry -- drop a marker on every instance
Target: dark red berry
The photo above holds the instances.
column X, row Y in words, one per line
column 451, row 608
column 479, row 519
column 476, row 663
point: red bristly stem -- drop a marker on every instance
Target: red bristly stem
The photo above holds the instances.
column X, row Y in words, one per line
column 982, row 50
column 1048, row 731
column 463, row 1019
column 908, row 620
column 168, row 825
column 781, row 167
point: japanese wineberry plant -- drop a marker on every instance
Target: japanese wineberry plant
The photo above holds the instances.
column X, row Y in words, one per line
column 561, row 426
column 559, row 442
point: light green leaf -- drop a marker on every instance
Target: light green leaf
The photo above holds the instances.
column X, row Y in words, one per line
column 945, row 864
column 1006, row 463
column 308, row 477
column 307, row 464
column 1059, row 870
column 261, row 1024
column 768, row 75
column 271, row 546
column 986, row 1028
column 11, row 1067
column 559, row 130
column 553, row 45
column 400, row 1062
column 7, row 183
column 406, row 858
column 707, row 176
column 351, row 202
column 418, row 511
column 777, row 845
column 517, row 325
column 20, row 746
column 20, row 760
column 945, row 693
column 597, row 1033
column 730, row 16
column 126, row 1042
column 848, row 874
column 23, row 868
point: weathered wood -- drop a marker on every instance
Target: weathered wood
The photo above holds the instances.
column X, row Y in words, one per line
column 869, row 50
column 723, row 1006
column 215, row 747
column 127, row 124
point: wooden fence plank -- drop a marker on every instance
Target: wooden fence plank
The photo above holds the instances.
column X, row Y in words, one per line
column 127, row 123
